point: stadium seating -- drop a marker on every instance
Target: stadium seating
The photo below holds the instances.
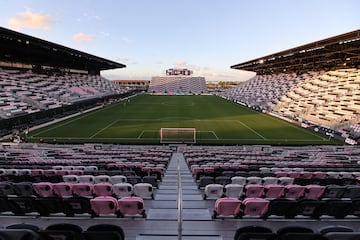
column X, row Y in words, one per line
column 25, row 92
column 327, row 98
column 177, row 85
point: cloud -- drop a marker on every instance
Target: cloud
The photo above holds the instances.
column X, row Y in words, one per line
column 30, row 20
column 123, row 59
column 213, row 74
column 81, row 38
column 125, row 40
column 89, row 17
column 180, row 64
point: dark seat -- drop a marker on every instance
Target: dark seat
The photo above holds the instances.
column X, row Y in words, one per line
column 311, row 208
column 298, row 233
column 77, row 205
column 150, row 179
column 205, row 180
column 50, row 205
column 23, row 205
column 254, row 232
column 104, row 231
column 342, row 236
column 338, row 208
column 24, row 226
column 283, row 207
column 18, row 234
column 63, row 231
column 335, row 228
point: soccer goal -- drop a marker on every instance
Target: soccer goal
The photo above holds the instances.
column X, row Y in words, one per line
column 178, row 135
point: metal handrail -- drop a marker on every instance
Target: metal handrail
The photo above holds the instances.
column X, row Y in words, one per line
column 179, row 201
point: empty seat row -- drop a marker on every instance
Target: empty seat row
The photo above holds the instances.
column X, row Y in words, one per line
column 98, row 206
column 205, row 180
column 291, row 191
column 274, row 180
column 296, row 232
column 61, row 231
column 287, row 208
column 153, row 180
column 63, row 189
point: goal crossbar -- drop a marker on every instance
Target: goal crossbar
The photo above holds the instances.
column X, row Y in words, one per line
column 178, row 135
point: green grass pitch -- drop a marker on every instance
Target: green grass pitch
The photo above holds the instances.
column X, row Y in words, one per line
column 217, row 121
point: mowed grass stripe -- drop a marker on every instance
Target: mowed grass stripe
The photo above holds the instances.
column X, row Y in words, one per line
column 230, row 123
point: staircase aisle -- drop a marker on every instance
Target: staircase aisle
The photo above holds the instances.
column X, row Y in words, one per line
column 162, row 215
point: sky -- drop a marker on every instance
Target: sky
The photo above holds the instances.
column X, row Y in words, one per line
column 207, row 36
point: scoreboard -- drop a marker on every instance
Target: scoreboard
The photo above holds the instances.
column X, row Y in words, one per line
column 178, row 71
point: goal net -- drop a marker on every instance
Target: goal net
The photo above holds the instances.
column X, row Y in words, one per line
column 178, row 135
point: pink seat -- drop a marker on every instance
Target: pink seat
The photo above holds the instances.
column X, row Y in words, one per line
column 318, row 174
column 43, row 189
column 131, row 206
column 255, row 207
column 104, row 205
column 76, row 172
column 294, row 191
column 83, row 189
column 254, row 190
column 274, row 191
column 314, row 191
column 37, row 172
column 307, row 175
column 63, row 189
column 227, row 207
column 279, row 174
column 49, row 172
column 294, row 174
column 103, row 189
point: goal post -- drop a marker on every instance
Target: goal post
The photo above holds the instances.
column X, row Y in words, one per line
column 178, row 135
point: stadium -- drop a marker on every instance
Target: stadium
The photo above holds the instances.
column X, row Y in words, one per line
column 275, row 157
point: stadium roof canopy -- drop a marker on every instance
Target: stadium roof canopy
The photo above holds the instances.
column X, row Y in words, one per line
column 341, row 51
column 22, row 48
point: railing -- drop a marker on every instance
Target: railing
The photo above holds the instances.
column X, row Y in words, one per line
column 179, row 199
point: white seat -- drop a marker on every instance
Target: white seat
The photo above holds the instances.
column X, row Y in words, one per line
column 144, row 190
column 86, row 179
column 118, row 179
column 71, row 178
column 213, row 191
column 234, row 190
column 101, row 179
column 123, row 189
column 238, row 180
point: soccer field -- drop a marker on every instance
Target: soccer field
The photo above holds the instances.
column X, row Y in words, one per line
column 217, row 121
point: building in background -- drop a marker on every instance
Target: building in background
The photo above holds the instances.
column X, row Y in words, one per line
column 138, row 85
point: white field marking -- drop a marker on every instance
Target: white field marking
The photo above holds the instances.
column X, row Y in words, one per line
column 222, row 139
column 75, row 119
column 176, row 119
column 217, row 138
column 176, row 104
column 251, row 129
column 144, row 131
column 109, row 125
column 294, row 126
